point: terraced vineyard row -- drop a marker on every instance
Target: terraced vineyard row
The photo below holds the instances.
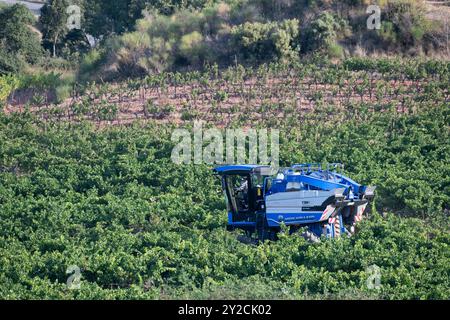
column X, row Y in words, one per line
column 270, row 94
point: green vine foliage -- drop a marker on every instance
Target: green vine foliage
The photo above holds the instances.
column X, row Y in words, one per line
column 109, row 200
column 140, row 227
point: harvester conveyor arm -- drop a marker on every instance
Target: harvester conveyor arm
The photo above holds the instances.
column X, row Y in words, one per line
column 321, row 184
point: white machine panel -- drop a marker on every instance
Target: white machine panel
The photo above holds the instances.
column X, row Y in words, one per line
column 292, row 202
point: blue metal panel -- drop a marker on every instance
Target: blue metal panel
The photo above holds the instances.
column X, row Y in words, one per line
column 238, row 223
column 316, row 228
column 242, row 224
column 356, row 186
column 277, row 186
column 276, row 219
column 341, row 223
column 321, row 184
column 233, row 168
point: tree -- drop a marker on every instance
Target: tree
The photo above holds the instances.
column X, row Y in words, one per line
column 106, row 17
column 76, row 43
column 53, row 19
column 19, row 41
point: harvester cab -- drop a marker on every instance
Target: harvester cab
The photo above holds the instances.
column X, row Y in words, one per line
column 243, row 187
column 323, row 200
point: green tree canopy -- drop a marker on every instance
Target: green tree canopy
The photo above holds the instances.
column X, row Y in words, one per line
column 19, row 42
column 53, row 19
column 105, row 17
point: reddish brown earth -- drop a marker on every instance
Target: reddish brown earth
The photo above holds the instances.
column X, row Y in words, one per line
column 245, row 100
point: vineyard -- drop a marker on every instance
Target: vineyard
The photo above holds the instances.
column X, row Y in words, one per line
column 272, row 94
column 89, row 183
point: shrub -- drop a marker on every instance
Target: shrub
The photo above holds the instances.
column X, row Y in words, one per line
column 187, row 38
column 8, row 83
column 334, row 50
column 264, row 41
column 131, row 48
column 406, row 22
column 10, row 63
column 63, row 92
column 192, row 48
column 90, row 62
column 323, row 33
column 387, row 32
column 194, row 38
